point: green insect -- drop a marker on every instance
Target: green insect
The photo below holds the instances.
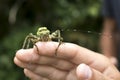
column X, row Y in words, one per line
column 43, row 34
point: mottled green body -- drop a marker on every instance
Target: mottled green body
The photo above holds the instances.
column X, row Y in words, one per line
column 43, row 34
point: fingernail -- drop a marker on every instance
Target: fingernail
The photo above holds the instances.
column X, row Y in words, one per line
column 84, row 71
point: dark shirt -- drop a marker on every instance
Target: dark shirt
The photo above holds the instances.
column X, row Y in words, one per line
column 111, row 8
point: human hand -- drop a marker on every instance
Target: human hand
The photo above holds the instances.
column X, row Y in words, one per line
column 71, row 63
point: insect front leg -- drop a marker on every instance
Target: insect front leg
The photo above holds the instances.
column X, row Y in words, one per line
column 60, row 39
column 57, row 35
column 34, row 40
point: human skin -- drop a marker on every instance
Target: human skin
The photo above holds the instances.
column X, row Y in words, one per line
column 108, row 41
column 72, row 62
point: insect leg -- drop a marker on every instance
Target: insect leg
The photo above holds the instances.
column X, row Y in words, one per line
column 36, row 48
column 25, row 41
column 60, row 39
column 28, row 43
column 57, row 35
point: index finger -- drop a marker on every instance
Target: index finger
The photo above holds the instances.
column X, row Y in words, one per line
column 74, row 53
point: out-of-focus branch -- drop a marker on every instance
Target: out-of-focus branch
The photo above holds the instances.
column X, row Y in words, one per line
column 14, row 10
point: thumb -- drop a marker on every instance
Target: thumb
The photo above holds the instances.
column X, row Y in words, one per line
column 84, row 72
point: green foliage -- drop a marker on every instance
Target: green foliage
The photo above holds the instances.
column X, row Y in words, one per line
column 73, row 17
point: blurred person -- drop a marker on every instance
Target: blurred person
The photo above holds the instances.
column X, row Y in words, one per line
column 110, row 43
column 72, row 62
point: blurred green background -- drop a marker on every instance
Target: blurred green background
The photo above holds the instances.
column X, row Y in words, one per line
column 80, row 22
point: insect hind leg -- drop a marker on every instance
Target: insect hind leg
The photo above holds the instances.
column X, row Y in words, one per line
column 26, row 43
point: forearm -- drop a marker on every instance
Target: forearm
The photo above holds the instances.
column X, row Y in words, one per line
column 107, row 41
column 108, row 47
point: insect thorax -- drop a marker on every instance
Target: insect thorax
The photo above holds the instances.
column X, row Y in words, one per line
column 44, row 38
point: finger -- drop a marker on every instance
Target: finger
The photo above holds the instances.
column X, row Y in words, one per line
column 49, row 72
column 19, row 63
column 33, row 76
column 27, row 56
column 43, row 70
column 114, row 61
column 56, row 62
column 24, row 64
column 74, row 53
column 84, row 72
